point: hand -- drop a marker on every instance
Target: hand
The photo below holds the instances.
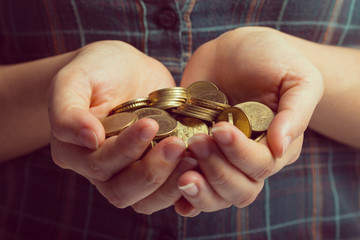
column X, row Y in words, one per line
column 248, row 64
column 101, row 76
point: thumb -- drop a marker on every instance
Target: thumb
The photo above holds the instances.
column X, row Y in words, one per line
column 69, row 102
column 299, row 95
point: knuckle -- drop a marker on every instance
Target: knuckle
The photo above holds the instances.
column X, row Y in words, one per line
column 246, row 199
column 220, row 179
column 126, row 153
column 60, row 162
column 57, row 127
column 152, row 179
column 96, row 172
column 205, row 205
column 139, row 207
column 265, row 171
column 115, row 198
column 168, row 198
column 130, row 148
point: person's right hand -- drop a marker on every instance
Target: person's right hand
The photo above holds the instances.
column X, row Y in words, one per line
column 102, row 75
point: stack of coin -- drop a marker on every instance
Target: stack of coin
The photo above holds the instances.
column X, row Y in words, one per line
column 205, row 90
column 205, row 102
column 184, row 112
column 168, row 98
column 131, row 105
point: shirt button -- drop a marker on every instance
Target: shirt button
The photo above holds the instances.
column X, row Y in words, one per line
column 167, row 18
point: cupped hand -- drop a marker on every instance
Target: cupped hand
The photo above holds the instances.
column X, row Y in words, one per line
column 101, row 76
column 248, row 64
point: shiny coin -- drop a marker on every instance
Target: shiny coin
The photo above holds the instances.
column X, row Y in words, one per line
column 167, row 126
column 115, row 123
column 188, row 127
column 201, row 86
column 240, row 119
column 230, row 118
column 193, row 114
column 258, row 138
column 213, row 95
column 144, row 112
column 168, row 91
column 166, row 105
column 208, row 104
column 130, row 105
column 259, row 114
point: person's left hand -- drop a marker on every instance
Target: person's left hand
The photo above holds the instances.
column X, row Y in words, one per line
column 248, row 64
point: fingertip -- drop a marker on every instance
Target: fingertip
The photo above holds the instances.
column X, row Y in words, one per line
column 191, row 189
column 183, row 207
column 280, row 135
column 79, row 127
column 88, row 138
column 148, row 129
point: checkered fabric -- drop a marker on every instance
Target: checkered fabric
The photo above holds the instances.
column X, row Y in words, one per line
column 317, row 197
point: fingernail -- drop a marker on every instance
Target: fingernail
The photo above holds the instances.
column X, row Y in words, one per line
column 88, row 138
column 222, row 135
column 146, row 133
column 199, row 146
column 186, row 164
column 286, row 144
column 174, row 150
column 190, row 189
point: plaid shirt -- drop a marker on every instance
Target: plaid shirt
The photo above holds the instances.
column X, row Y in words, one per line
column 317, row 197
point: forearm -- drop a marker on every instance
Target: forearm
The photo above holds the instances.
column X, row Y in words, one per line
column 24, row 124
column 337, row 115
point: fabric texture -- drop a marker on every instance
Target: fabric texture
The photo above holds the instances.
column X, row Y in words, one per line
column 317, row 197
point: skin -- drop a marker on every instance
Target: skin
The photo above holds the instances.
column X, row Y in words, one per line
column 298, row 80
column 294, row 77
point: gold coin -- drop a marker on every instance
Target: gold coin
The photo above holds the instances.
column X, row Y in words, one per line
column 115, row 123
column 259, row 114
column 189, row 126
column 168, row 91
column 201, row 86
column 144, row 112
column 166, row 105
column 197, row 112
column 240, row 119
column 230, row 118
column 258, row 137
column 208, row 104
column 167, row 125
column 130, row 105
column 212, row 95
column 199, row 109
column 193, row 114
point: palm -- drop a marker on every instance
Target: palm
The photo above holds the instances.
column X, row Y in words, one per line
column 261, row 66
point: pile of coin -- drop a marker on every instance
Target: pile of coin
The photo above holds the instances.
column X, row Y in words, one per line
column 184, row 112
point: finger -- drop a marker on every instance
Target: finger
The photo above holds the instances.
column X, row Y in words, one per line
column 116, row 153
column 143, row 177
column 185, row 209
column 226, row 179
column 199, row 193
column 252, row 158
column 300, row 92
column 69, row 103
column 168, row 193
